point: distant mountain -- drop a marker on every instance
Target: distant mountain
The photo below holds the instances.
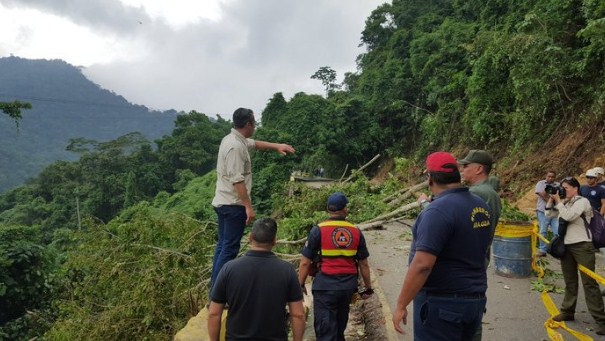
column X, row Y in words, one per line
column 65, row 105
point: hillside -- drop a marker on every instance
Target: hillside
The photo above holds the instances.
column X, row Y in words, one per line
column 121, row 240
column 66, row 105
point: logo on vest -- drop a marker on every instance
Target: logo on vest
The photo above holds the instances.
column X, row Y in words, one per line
column 342, row 237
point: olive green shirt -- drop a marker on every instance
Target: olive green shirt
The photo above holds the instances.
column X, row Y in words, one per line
column 485, row 191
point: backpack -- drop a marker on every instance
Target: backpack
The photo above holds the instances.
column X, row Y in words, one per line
column 596, row 227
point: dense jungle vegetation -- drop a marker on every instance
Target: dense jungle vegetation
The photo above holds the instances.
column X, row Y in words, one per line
column 117, row 245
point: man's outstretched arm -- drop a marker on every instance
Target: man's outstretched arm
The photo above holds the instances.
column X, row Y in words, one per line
column 281, row 148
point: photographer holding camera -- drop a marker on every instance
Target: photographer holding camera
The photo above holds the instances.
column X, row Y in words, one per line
column 578, row 250
column 543, row 189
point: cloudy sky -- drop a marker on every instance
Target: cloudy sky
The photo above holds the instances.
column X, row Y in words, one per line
column 211, row 56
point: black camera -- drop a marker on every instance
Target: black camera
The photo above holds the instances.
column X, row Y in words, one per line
column 555, row 188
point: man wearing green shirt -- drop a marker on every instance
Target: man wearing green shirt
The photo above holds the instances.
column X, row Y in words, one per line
column 475, row 168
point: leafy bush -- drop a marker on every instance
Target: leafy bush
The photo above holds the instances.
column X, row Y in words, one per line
column 26, row 280
column 138, row 278
column 512, row 213
column 194, row 199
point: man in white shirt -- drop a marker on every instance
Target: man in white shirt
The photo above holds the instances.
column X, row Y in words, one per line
column 232, row 201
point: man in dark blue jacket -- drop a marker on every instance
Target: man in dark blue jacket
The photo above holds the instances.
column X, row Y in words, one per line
column 447, row 277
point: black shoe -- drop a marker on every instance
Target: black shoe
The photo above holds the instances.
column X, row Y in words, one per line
column 563, row 317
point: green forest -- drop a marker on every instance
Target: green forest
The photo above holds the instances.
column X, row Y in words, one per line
column 118, row 245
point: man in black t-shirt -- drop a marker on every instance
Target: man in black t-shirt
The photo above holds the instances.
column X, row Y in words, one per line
column 257, row 287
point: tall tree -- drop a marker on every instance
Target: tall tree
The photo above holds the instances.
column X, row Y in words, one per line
column 13, row 109
column 327, row 76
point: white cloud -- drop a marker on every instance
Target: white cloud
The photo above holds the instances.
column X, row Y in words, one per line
column 185, row 56
column 179, row 13
column 31, row 33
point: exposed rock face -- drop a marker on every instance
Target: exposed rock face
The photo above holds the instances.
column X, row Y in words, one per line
column 197, row 328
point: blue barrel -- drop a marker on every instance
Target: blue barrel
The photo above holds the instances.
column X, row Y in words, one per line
column 511, row 249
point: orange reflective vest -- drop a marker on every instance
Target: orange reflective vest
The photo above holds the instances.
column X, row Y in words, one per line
column 339, row 243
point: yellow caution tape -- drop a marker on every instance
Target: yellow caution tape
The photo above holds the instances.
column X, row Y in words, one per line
column 542, row 237
column 534, row 243
column 551, row 325
column 513, row 231
column 591, row 274
column 520, row 231
column 537, row 268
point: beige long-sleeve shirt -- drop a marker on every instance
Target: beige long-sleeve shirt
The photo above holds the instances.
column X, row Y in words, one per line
column 233, row 165
column 571, row 212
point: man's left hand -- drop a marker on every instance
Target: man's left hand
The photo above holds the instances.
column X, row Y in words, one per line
column 555, row 198
column 366, row 293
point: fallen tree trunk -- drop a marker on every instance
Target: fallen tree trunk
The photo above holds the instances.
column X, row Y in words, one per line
column 394, row 213
column 291, row 242
column 376, row 222
column 354, row 174
column 397, row 201
column 371, row 226
column 400, row 192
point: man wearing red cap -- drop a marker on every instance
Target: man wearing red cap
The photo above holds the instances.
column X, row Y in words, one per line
column 339, row 249
column 447, row 277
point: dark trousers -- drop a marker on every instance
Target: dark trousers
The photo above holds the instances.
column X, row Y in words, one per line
column 231, row 224
column 331, row 313
column 446, row 318
column 581, row 253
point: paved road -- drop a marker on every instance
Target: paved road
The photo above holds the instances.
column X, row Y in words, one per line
column 514, row 311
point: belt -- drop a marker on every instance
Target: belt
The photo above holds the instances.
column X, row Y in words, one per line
column 453, row 295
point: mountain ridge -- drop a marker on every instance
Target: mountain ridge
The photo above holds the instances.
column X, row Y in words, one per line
column 65, row 105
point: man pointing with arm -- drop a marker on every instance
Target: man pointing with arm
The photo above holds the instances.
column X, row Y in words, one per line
column 232, row 201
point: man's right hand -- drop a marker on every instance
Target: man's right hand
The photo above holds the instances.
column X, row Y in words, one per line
column 400, row 316
column 250, row 215
column 284, row 149
column 304, row 289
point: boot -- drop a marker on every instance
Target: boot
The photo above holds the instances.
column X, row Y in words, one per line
column 564, row 317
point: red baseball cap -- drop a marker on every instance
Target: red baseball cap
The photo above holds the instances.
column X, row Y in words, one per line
column 436, row 161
